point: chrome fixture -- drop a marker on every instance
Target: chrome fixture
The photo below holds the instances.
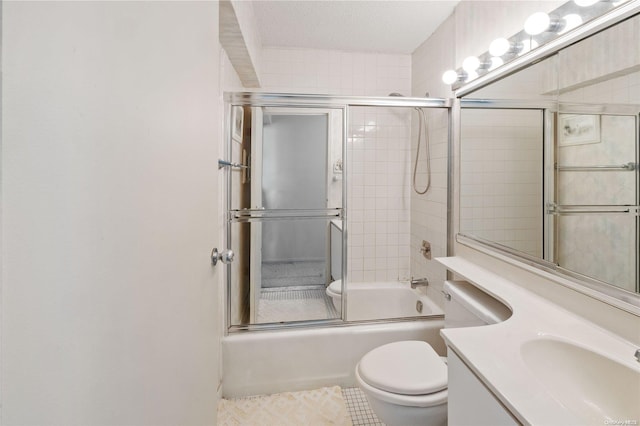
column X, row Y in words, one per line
column 419, row 282
column 225, row 256
column 423, row 128
column 425, row 249
column 637, row 355
column 561, row 209
column 224, row 163
column 539, row 28
column 628, row 167
column 419, row 306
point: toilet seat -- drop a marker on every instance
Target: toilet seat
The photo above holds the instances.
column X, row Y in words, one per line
column 335, row 287
column 408, row 373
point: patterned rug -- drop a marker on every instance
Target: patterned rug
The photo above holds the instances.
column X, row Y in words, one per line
column 317, row 407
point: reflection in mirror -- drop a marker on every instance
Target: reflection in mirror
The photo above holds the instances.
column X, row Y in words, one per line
column 594, row 225
column 536, row 83
column 573, row 197
column 501, row 182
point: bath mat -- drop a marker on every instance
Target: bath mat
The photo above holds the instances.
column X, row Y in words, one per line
column 324, row 406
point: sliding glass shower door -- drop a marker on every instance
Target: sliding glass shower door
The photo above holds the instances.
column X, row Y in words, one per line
column 596, row 195
column 285, row 191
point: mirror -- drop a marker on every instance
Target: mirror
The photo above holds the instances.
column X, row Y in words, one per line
column 549, row 162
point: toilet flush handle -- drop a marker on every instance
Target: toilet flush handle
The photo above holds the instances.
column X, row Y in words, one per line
column 446, row 295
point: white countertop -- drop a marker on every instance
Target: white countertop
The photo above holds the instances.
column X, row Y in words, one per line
column 493, row 352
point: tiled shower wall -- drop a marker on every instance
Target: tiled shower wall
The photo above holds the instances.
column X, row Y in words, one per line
column 334, row 72
column 378, row 194
column 378, row 147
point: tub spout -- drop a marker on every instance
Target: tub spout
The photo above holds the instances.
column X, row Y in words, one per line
column 419, row 282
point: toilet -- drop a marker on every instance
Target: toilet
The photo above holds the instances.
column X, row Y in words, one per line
column 406, row 382
column 334, row 291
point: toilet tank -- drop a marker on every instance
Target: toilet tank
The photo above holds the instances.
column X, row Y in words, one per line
column 467, row 306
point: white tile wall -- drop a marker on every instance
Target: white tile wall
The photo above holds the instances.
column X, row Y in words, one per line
column 378, row 194
column 378, row 148
column 334, row 72
column 429, row 211
column 501, row 177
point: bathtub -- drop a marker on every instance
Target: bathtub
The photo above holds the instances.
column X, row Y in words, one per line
column 283, row 360
column 369, row 301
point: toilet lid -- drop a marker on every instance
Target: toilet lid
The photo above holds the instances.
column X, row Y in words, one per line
column 409, row 368
column 336, row 287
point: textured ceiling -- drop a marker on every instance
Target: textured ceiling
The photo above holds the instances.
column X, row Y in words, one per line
column 389, row 26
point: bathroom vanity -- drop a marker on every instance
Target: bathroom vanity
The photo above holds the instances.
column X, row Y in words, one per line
column 542, row 366
column 544, row 214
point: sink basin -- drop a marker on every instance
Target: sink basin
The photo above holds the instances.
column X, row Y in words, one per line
column 597, row 389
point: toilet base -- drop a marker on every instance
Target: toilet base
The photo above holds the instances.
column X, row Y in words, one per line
column 399, row 415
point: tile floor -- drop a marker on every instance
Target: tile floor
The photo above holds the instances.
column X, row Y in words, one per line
column 286, row 274
column 295, row 303
column 358, row 407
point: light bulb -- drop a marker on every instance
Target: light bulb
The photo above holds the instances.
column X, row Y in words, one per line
column 527, row 45
column 572, row 21
column 470, row 64
column 495, row 62
column 449, row 77
column 499, row 46
column 537, row 23
column 585, row 3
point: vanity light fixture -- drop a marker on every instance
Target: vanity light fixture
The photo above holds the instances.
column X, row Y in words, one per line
column 496, row 61
column 471, row 64
column 471, row 76
column 450, row 77
column 501, row 46
column 541, row 22
column 585, row 3
column 528, row 45
column 539, row 29
column 571, row 21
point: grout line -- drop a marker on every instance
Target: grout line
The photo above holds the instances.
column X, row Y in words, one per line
column 359, row 409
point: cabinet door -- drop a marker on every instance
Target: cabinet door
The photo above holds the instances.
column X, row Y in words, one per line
column 470, row 402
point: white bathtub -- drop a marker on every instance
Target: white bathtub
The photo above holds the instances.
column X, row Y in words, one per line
column 267, row 362
column 379, row 300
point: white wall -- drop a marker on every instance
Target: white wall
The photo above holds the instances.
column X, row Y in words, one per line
column 334, row 72
column 109, row 186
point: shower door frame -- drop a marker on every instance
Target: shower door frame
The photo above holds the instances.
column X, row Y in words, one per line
column 315, row 101
column 623, row 110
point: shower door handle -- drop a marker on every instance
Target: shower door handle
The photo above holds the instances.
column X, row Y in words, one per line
column 225, row 256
